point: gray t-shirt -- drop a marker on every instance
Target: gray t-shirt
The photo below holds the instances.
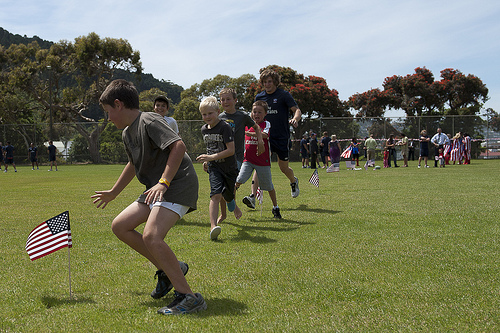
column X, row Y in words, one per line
column 146, row 142
column 238, row 121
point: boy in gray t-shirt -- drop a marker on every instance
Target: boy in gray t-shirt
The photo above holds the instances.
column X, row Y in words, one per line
column 157, row 156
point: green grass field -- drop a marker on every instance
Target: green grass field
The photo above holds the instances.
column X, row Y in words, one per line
column 402, row 249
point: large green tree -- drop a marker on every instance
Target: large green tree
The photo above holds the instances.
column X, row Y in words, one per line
column 86, row 66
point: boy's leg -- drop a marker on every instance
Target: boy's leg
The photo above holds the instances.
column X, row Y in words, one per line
column 223, row 213
column 159, row 222
column 287, row 171
column 272, row 195
column 213, row 209
column 124, row 225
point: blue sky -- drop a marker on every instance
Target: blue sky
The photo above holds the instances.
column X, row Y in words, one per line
column 354, row 45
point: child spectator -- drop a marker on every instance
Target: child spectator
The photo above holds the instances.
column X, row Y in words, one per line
column 386, row 157
column 33, row 156
column 52, row 150
column 161, row 106
column 219, row 160
column 260, row 163
column 157, row 156
column 9, row 156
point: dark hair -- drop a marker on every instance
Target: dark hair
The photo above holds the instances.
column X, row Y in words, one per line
column 123, row 91
column 266, row 72
column 162, row 99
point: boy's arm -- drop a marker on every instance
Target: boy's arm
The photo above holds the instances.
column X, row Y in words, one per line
column 102, row 198
column 223, row 154
column 177, row 150
column 297, row 115
column 260, row 141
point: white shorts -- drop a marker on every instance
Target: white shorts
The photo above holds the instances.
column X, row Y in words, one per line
column 176, row 208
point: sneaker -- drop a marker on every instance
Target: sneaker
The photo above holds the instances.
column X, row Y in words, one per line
column 419, row 166
column 276, row 213
column 295, row 188
column 249, row 201
column 215, row 232
column 184, row 304
column 164, row 286
column 427, row 166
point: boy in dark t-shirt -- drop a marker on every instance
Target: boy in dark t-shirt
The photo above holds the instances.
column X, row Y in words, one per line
column 157, row 157
column 220, row 160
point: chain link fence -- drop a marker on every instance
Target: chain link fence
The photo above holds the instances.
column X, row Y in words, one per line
column 74, row 148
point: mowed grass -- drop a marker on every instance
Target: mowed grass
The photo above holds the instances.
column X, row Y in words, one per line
column 401, row 249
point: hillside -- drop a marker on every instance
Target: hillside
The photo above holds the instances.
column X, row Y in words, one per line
column 147, row 81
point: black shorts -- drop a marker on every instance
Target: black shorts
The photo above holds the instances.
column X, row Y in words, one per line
column 33, row 159
column 280, row 147
column 52, row 158
column 222, row 182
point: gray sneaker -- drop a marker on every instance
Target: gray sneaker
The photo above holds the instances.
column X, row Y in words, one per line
column 249, row 201
column 295, row 188
column 164, row 285
column 184, row 304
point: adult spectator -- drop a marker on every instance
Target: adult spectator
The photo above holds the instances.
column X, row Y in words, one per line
column 391, row 146
column 323, row 146
column 370, row 145
column 424, row 148
column 438, row 140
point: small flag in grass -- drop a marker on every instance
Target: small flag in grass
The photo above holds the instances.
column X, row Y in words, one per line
column 50, row 236
column 314, row 178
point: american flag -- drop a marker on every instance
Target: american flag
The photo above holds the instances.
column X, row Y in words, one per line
column 314, row 178
column 335, row 167
column 49, row 237
column 347, row 153
column 259, row 196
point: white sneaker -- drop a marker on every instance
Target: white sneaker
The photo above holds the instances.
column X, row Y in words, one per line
column 215, row 232
column 249, row 201
column 295, row 188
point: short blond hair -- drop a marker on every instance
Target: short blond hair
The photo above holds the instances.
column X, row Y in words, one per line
column 209, row 103
column 262, row 104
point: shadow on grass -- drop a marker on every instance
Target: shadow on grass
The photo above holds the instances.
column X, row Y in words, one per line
column 215, row 306
column 305, row 208
column 50, row 302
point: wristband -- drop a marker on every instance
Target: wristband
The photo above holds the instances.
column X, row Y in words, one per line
column 164, row 182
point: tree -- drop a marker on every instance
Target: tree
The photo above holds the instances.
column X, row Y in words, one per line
column 464, row 94
column 85, row 67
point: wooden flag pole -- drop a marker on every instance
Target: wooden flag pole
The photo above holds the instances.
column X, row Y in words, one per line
column 69, row 271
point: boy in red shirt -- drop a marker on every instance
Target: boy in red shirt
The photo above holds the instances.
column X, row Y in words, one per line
column 260, row 163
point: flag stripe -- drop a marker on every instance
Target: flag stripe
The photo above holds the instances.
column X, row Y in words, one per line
column 49, row 236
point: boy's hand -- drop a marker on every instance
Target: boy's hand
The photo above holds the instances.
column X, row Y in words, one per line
column 205, row 166
column 102, row 198
column 260, row 148
column 155, row 194
column 204, row 158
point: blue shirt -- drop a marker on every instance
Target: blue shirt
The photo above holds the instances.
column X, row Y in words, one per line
column 440, row 139
column 279, row 103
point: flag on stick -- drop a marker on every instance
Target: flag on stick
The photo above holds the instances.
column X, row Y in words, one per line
column 50, row 236
column 335, row 167
column 347, row 153
column 314, row 178
column 259, row 195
